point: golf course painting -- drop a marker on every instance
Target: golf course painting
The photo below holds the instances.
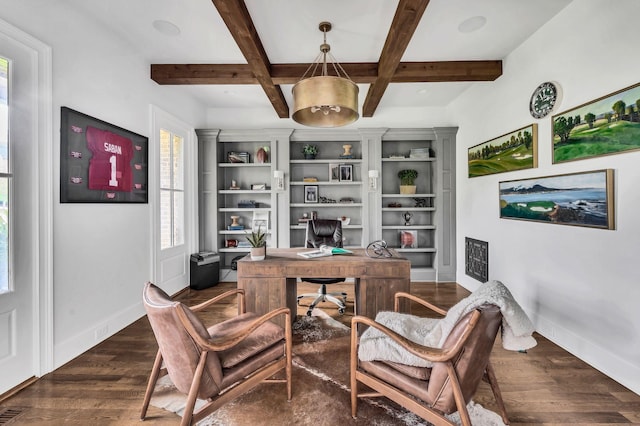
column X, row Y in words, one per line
column 581, row 199
column 608, row 125
column 516, row 150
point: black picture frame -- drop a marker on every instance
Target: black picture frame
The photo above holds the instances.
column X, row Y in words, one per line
column 85, row 143
column 346, row 173
column 311, row 194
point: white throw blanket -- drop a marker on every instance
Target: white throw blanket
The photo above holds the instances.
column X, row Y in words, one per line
column 516, row 327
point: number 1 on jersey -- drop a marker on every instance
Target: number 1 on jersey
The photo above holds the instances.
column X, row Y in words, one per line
column 113, row 181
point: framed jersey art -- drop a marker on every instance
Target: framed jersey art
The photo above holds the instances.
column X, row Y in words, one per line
column 100, row 162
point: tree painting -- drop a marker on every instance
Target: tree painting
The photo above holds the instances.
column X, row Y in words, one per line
column 514, row 151
column 608, row 125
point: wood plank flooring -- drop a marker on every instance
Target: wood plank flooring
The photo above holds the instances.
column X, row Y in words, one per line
column 105, row 385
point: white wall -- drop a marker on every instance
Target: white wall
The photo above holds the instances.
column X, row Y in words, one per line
column 579, row 285
column 576, row 283
column 230, row 118
column 101, row 252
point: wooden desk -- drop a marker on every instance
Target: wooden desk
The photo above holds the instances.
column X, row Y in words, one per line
column 271, row 283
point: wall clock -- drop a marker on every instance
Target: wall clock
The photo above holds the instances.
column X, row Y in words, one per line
column 544, row 98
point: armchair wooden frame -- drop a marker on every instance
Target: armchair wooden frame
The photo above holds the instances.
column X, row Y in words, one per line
column 206, row 346
column 447, row 356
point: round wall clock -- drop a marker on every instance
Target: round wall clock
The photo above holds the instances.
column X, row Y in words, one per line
column 544, row 99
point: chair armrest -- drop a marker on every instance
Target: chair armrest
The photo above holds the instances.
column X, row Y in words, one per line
column 231, row 340
column 425, row 352
column 416, row 299
column 218, row 298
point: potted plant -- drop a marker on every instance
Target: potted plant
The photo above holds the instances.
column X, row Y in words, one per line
column 407, row 181
column 310, row 151
column 258, row 241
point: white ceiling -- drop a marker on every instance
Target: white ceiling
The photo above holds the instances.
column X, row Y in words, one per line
column 289, row 32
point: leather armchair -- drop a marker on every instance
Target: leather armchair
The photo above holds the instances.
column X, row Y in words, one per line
column 447, row 386
column 219, row 363
column 324, row 232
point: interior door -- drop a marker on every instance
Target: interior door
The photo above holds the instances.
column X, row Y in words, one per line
column 175, row 223
column 19, row 355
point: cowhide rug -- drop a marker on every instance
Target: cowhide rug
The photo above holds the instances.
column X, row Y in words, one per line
column 321, row 393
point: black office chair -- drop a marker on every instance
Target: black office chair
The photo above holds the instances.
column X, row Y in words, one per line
column 327, row 232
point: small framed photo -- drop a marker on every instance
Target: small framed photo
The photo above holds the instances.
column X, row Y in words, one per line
column 408, row 239
column 311, row 193
column 334, row 172
column 259, row 186
column 346, row 173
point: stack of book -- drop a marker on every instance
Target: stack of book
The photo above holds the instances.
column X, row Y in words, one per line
column 248, row 204
column 235, row 227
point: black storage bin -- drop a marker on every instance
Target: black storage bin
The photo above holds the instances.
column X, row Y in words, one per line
column 204, row 271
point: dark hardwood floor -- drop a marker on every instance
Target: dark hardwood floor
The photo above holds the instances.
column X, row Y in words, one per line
column 105, row 385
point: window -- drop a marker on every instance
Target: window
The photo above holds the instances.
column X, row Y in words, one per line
column 171, row 190
column 5, row 179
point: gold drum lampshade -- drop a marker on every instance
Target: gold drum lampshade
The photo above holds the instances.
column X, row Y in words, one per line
column 325, row 101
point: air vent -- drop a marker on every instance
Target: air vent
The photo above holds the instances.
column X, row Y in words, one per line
column 8, row 414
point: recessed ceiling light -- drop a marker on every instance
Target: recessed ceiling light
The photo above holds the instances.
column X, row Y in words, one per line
column 166, row 28
column 472, row 24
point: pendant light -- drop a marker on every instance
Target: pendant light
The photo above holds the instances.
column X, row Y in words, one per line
column 325, row 100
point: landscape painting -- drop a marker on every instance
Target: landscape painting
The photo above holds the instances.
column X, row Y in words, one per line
column 514, row 151
column 608, row 125
column 581, row 199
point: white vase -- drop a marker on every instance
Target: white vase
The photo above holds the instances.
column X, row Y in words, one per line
column 258, row 253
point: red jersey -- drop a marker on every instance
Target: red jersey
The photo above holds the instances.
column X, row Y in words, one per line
column 110, row 164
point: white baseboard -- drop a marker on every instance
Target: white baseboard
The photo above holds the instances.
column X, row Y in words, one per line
column 602, row 359
column 64, row 352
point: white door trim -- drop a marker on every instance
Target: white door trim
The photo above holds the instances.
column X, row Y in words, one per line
column 43, row 294
column 158, row 117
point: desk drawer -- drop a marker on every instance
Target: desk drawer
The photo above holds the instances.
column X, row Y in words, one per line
column 325, row 270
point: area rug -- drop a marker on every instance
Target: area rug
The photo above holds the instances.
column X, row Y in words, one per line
column 321, row 393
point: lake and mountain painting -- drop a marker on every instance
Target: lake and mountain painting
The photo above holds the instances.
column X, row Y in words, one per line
column 608, row 125
column 581, row 199
column 514, row 151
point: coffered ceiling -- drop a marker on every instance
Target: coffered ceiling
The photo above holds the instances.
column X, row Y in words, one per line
column 407, row 53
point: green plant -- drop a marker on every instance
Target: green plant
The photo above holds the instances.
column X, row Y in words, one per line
column 407, row 177
column 257, row 238
column 310, row 149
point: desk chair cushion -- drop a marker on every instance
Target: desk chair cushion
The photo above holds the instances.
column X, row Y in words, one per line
column 324, row 232
column 266, row 335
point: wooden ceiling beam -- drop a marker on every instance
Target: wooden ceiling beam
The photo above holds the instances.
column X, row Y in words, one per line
column 389, row 69
column 361, row 73
column 443, row 71
column 404, row 24
column 235, row 15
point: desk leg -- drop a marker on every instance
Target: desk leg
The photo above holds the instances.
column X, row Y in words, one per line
column 262, row 295
column 373, row 295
